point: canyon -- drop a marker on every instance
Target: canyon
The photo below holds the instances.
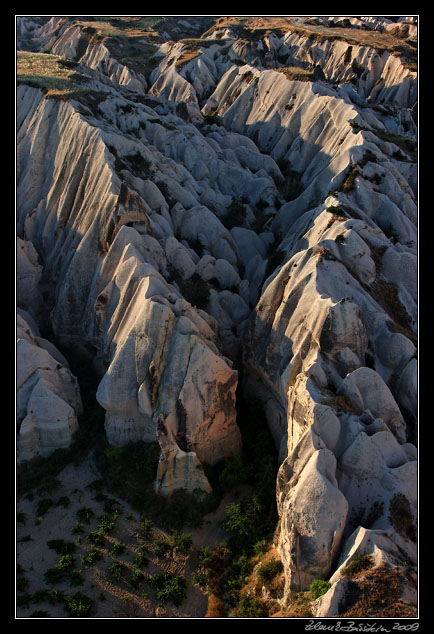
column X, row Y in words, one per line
column 215, row 208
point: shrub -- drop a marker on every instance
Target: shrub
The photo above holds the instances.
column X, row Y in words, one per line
column 250, row 607
column 161, row 547
column 77, row 528
column 118, row 548
column 145, row 526
column 90, row 559
column 182, row 541
column 79, row 605
column 116, row 570
column 95, row 537
column 318, row 587
column 216, row 608
column 76, row 578
column 56, row 596
column 65, row 562
column 201, row 579
column 350, row 179
column 358, row 564
column 140, row 560
column 244, row 521
column 234, row 472
column 85, row 514
column 266, row 572
column 169, row 587
column 105, row 524
column 136, row 578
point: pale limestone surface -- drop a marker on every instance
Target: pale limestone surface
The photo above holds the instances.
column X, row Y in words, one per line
column 48, row 396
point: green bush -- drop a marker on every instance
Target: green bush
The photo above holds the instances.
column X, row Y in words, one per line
column 118, row 548
column 140, row 560
column 85, row 514
column 75, row 578
column 79, row 605
column 116, row 570
column 250, row 607
column 105, row 524
column 145, row 526
column 243, row 522
column 266, row 572
column 234, row 472
column 161, row 547
column 56, row 596
column 182, row 541
column 95, row 537
column 65, row 562
column 91, row 559
column 136, row 578
column 358, row 564
column 168, row 587
column 318, row 587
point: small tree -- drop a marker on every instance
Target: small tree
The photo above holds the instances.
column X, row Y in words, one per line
column 318, row 587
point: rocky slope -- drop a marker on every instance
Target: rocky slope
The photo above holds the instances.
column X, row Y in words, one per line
column 237, row 201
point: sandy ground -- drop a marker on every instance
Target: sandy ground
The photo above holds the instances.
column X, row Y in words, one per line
column 112, row 599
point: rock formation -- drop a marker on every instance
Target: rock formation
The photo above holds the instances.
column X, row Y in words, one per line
column 239, row 199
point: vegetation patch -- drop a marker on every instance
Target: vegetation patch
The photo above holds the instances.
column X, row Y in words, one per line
column 54, row 75
column 294, row 73
column 170, row 588
column 358, row 565
column 79, row 605
column 269, row 570
column 318, row 587
column 377, row 594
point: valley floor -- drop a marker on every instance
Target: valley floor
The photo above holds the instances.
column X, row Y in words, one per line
column 111, row 598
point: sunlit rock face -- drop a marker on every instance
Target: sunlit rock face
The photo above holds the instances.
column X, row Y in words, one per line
column 48, row 395
column 238, row 207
